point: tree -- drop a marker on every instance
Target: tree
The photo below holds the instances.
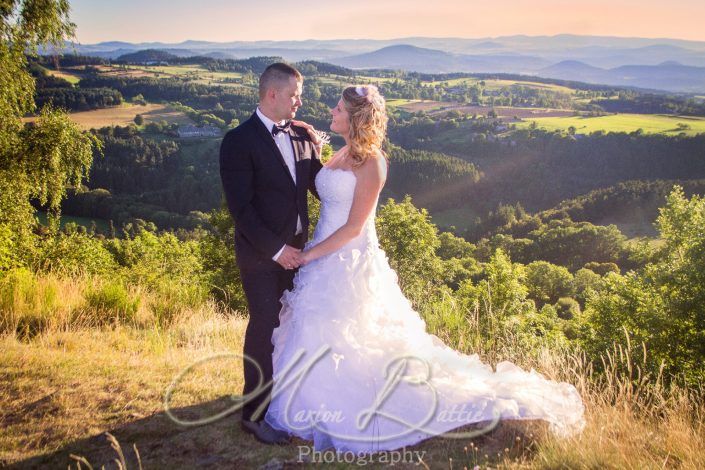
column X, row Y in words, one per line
column 38, row 161
column 663, row 305
column 139, row 120
column 548, row 282
column 410, row 240
column 139, row 99
column 502, row 291
column 585, row 279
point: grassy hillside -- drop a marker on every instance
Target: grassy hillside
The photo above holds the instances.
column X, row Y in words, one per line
column 64, row 388
column 632, row 205
column 649, row 123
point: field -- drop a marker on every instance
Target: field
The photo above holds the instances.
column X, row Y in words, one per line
column 507, row 113
column 418, row 105
column 66, row 74
column 459, row 217
column 649, row 123
column 340, row 80
column 194, row 73
column 66, row 387
column 101, row 224
column 491, row 84
column 124, row 115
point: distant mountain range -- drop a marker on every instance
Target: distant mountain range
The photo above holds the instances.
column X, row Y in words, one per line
column 665, row 64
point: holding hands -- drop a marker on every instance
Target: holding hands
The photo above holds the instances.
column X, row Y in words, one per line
column 292, row 258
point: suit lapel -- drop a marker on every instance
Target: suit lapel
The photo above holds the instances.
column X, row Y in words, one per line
column 266, row 135
column 298, row 144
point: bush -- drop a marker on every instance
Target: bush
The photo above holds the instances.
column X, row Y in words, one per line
column 567, row 308
column 219, row 261
column 548, row 282
column 74, row 252
column 602, row 268
column 10, row 252
column 148, row 258
column 26, row 306
column 584, row 281
column 110, row 303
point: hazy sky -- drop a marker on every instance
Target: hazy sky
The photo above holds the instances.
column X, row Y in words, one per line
column 221, row 20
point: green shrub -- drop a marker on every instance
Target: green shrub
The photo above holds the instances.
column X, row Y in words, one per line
column 548, row 282
column 567, row 308
column 26, row 306
column 10, row 251
column 171, row 299
column 74, row 252
column 110, row 302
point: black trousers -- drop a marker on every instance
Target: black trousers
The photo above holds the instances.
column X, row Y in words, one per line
column 263, row 290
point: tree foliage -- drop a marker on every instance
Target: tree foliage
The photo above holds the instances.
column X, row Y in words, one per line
column 663, row 305
column 37, row 161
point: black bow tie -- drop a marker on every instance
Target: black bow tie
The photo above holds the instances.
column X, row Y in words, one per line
column 276, row 129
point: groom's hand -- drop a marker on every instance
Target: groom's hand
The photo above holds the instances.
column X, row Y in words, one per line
column 289, row 258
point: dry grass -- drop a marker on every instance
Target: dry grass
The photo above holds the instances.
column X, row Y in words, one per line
column 65, row 387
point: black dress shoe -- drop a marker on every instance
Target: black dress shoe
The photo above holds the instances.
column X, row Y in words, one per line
column 263, row 432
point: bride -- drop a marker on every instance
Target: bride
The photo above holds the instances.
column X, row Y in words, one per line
column 354, row 368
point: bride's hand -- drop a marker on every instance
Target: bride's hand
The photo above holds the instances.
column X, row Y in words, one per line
column 317, row 137
column 311, row 130
column 305, row 257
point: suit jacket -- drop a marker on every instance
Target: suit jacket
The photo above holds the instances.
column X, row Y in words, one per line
column 260, row 192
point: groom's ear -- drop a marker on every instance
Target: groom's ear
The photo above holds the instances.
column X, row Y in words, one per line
column 270, row 94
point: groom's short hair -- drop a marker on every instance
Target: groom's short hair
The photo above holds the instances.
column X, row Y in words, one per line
column 277, row 75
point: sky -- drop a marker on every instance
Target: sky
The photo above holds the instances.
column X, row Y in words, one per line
column 173, row 21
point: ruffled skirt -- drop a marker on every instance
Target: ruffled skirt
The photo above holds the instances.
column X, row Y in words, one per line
column 355, row 369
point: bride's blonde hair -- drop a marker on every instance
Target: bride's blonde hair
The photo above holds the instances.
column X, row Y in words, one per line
column 368, row 122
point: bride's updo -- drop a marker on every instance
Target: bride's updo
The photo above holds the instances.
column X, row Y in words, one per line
column 368, row 122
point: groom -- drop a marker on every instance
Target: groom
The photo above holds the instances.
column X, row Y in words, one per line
column 267, row 165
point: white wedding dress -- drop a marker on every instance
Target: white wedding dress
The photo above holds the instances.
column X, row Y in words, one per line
column 345, row 329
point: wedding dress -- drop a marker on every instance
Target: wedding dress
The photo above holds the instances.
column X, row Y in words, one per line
column 355, row 369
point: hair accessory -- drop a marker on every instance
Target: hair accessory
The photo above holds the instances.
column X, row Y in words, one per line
column 360, row 91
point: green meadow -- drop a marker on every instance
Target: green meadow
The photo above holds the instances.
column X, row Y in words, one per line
column 169, row 69
column 649, row 123
column 492, row 84
column 72, row 78
column 341, row 80
column 100, row 224
column 396, row 102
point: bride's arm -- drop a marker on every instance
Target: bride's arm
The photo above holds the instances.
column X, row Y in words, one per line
column 370, row 179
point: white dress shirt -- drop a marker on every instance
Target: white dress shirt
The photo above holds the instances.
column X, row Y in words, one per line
column 283, row 141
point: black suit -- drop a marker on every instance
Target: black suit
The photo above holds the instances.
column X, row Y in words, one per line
column 265, row 204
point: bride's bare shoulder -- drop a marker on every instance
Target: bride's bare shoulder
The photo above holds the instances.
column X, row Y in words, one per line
column 375, row 167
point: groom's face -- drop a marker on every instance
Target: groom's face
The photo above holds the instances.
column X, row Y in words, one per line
column 287, row 99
